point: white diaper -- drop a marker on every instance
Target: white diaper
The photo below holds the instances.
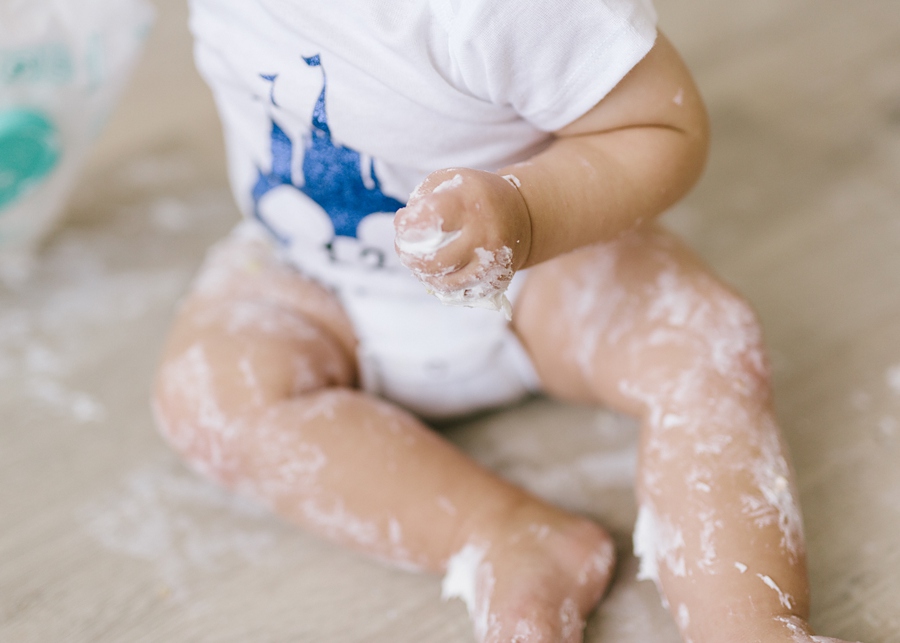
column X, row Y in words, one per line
column 439, row 361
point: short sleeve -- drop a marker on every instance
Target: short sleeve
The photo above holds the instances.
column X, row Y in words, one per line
column 550, row 60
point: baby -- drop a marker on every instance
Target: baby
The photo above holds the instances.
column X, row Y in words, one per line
column 304, row 360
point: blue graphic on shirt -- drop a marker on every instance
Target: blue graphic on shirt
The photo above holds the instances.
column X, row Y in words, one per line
column 332, row 174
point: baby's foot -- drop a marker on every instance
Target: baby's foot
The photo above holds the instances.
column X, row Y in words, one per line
column 535, row 582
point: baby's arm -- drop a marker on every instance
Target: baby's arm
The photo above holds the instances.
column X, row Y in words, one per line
column 630, row 157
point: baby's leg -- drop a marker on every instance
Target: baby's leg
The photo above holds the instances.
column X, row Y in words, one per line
column 255, row 390
column 640, row 324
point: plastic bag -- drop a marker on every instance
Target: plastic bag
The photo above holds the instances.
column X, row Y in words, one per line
column 63, row 64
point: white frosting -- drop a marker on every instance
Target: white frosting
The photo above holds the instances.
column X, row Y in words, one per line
column 423, row 243
column 461, row 578
column 514, row 180
column 490, row 290
column 494, row 271
column 455, row 182
column 785, row 599
column 655, row 541
column 470, row 578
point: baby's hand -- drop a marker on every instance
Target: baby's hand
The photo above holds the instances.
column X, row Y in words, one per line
column 463, row 234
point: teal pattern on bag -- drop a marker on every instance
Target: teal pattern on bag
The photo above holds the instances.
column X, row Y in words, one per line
column 49, row 63
column 29, row 150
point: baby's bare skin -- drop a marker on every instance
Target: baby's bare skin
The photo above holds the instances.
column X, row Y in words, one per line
column 258, row 390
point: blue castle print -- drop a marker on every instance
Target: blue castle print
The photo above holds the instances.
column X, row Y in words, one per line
column 332, row 174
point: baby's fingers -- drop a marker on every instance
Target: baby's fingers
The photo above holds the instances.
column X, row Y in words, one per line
column 426, row 247
column 424, row 243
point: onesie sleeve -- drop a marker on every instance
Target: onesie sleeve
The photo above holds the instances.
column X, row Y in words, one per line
column 550, row 60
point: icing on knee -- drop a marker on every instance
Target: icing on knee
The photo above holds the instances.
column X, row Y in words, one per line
column 722, row 327
column 190, row 415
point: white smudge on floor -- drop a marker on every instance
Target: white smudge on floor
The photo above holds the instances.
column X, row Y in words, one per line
column 82, row 292
column 179, row 523
column 892, row 377
column 598, row 456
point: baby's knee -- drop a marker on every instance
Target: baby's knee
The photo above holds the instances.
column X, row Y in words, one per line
column 193, row 415
column 709, row 333
column 725, row 350
column 224, row 370
column 733, row 338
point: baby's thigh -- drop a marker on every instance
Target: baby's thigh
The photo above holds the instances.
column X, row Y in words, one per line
column 250, row 334
column 641, row 309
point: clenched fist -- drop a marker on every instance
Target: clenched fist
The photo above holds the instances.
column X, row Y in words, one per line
column 464, row 233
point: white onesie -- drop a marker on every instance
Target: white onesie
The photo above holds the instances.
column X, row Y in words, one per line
column 334, row 110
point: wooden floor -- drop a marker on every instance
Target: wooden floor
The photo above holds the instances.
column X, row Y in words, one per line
column 105, row 537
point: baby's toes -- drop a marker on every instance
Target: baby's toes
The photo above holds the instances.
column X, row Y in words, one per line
column 537, row 622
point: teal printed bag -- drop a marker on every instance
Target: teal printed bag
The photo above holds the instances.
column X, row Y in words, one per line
column 63, row 65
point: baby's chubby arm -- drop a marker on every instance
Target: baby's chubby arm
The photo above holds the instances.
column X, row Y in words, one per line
column 626, row 160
